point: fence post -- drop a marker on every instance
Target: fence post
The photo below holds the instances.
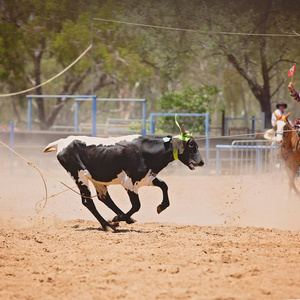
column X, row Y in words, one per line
column 144, row 118
column 218, row 161
column 151, row 123
column 94, row 130
column 207, row 140
column 29, row 113
column 258, row 159
column 253, row 125
column 76, row 115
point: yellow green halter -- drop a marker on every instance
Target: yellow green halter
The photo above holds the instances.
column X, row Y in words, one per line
column 184, row 137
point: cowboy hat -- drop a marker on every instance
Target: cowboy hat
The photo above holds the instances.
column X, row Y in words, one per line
column 281, row 104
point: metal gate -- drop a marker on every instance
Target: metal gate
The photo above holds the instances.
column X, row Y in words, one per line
column 247, row 157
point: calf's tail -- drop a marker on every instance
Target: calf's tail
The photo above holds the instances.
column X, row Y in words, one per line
column 51, row 147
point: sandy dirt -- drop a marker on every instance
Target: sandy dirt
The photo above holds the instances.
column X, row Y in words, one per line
column 222, row 238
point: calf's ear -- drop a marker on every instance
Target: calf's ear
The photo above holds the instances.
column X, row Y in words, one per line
column 182, row 129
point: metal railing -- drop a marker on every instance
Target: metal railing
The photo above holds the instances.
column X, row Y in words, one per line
column 247, row 157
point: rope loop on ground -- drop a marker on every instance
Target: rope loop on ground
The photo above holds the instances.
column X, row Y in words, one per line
column 40, row 171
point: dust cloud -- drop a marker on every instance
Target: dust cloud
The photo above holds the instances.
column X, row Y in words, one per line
column 195, row 197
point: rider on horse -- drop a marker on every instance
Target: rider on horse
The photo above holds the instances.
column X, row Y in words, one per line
column 278, row 112
column 270, row 133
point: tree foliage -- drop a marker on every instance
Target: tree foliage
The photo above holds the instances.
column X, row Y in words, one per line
column 189, row 100
column 39, row 38
column 258, row 59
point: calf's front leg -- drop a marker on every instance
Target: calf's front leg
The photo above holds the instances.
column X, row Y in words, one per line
column 165, row 202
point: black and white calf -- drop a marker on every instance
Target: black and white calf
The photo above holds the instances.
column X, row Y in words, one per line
column 132, row 161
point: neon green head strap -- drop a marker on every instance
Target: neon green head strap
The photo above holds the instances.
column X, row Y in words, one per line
column 175, row 154
column 183, row 136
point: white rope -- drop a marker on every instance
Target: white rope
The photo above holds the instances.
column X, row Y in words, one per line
column 49, row 80
column 237, row 135
column 45, row 199
column 283, row 131
column 227, row 136
column 199, row 31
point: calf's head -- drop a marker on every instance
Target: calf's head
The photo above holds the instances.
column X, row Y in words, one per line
column 186, row 150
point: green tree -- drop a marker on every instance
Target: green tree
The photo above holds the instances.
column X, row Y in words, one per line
column 190, row 100
column 256, row 58
column 40, row 38
column 33, row 25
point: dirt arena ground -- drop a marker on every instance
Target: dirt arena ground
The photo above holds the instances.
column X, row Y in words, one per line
column 222, row 238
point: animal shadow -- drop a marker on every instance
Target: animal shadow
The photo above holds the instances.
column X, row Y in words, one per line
column 117, row 230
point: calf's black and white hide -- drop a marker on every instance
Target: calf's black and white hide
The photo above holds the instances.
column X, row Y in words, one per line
column 132, row 161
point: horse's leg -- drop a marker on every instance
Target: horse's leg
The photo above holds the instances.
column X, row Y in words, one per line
column 291, row 171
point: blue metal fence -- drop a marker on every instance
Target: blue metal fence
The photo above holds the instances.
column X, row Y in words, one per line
column 247, row 157
column 79, row 98
column 252, row 119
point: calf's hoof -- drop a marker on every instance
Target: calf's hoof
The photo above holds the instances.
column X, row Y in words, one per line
column 130, row 221
column 159, row 209
column 110, row 226
column 114, row 224
column 119, row 218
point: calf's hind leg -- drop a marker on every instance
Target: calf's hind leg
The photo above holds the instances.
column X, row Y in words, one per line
column 136, row 205
column 79, row 174
column 88, row 202
column 104, row 197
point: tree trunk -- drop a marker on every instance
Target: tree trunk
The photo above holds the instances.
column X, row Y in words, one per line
column 70, row 87
column 260, row 91
column 265, row 105
column 37, row 56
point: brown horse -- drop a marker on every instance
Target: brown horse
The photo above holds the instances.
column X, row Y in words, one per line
column 288, row 140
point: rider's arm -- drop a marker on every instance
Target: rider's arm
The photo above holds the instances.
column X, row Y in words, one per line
column 293, row 92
